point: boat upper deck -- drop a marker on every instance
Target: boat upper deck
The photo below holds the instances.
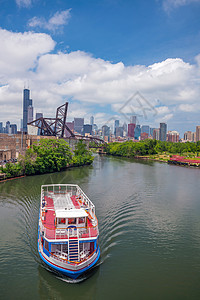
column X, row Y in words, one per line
column 66, row 212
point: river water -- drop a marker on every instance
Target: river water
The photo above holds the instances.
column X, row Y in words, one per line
column 149, row 223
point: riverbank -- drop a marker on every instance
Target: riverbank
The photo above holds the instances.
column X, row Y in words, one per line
column 185, row 154
column 48, row 156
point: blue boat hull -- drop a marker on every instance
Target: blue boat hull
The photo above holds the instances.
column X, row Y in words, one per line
column 67, row 272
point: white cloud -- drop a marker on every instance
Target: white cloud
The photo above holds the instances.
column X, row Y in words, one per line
column 168, row 5
column 57, row 20
column 89, row 82
column 23, row 3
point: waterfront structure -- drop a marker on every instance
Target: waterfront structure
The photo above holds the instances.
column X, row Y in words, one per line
column 131, row 130
column 163, row 131
column 173, row 136
column 156, row 134
column 137, row 132
column 78, row 125
column 197, row 133
column 26, row 103
column 68, row 230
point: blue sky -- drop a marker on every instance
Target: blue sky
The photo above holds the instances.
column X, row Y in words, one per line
column 98, row 54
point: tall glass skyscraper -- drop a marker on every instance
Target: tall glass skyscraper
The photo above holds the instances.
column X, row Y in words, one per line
column 163, row 131
column 26, row 103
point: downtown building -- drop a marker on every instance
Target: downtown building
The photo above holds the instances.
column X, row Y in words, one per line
column 27, row 109
column 163, row 131
column 197, row 133
column 78, row 125
column 173, row 136
column 131, row 130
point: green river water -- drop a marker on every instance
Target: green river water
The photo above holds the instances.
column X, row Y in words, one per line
column 149, row 223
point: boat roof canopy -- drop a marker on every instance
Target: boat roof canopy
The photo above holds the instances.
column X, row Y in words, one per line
column 70, row 213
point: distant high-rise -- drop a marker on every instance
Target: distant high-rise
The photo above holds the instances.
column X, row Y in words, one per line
column 30, row 114
column 156, row 134
column 87, row 129
column 137, row 132
column 116, row 126
column 92, row 121
column 188, row 136
column 26, row 103
column 133, row 120
column 38, row 115
column 1, row 127
column 131, row 130
column 105, row 130
column 163, row 131
column 78, row 124
column 8, row 130
column 119, row 131
column 173, row 136
column 145, row 128
column 197, row 133
column 13, row 128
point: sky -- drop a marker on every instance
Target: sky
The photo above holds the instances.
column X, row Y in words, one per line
column 107, row 58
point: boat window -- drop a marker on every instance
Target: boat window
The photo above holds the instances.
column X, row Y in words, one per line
column 61, row 221
column 81, row 220
column 72, row 221
column 46, row 245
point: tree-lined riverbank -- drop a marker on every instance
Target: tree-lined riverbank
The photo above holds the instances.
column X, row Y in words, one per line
column 48, row 156
column 153, row 149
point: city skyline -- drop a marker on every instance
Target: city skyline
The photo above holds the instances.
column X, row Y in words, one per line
column 97, row 55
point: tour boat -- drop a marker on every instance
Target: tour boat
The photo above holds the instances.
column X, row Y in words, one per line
column 68, row 230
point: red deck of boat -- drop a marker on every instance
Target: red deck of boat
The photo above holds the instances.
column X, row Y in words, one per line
column 49, row 222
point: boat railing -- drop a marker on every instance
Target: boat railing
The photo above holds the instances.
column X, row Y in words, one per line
column 73, row 189
column 65, row 233
column 61, row 256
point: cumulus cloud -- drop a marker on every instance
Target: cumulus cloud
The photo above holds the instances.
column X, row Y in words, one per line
column 90, row 83
column 171, row 4
column 57, row 20
column 23, row 3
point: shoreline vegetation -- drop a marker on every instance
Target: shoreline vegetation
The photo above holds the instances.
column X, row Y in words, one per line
column 186, row 154
column 47, row 156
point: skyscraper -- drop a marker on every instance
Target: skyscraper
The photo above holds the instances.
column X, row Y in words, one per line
column 92, row 121
column 137, row 132
column 78, row 124
column 131, row 130
column 116, row 126
column 30, row 114
column 145, row 128
column 26, row 103
column 133, row 120
column 163, row 131
column 197, row 133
